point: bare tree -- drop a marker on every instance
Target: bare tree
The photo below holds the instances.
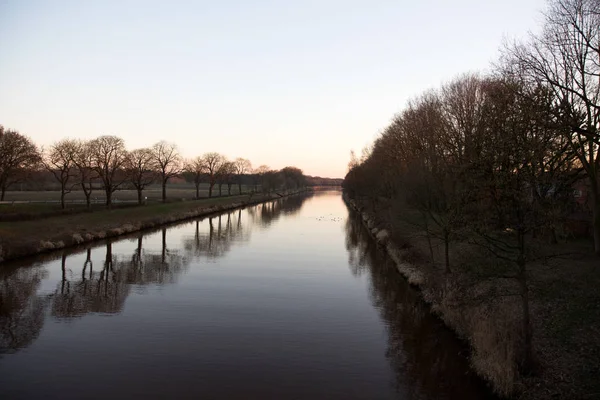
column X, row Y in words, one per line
column 18, row 154
column 60, row 161
column 226, row 174
column 139, row 166
column 242, row 166
column 565, row 57
column 212, row 164
column 197, row 169
column 168, row 163
column 108, row 157
column 86, row 174
column 259, row 175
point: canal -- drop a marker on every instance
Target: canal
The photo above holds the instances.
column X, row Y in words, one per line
column 288, row 299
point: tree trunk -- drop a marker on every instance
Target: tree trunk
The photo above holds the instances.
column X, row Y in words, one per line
column 596, row 218
column 164, row 190
column 527, row 352
column 229, row 189
column 3, row 192
column 88, row 195
column 197, row 190
column 447, row 250
column 553, row 236
column 108, row 197
column 62, row 198
column 220, row 189
column 428, row 238
column 210, row 188
column 139, row 193
column 239, row 188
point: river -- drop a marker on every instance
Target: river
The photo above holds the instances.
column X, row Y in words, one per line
column 288, row 299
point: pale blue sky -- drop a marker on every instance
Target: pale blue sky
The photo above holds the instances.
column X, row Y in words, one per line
column 279, row 82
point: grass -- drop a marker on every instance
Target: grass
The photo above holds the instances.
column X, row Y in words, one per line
column 21, row 238
column 565, row 308
column 153, row 192
column 46, row 203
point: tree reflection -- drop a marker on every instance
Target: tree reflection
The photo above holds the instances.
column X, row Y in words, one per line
column 147, row 267
column 89, row 283
column 102, row 291
column 21, row 310
column 105, row 290
column 424, row 355
column 223, row 231
column 266, row 213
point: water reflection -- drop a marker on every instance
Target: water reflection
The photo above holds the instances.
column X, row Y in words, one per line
column 21, row 310
column 223, row 231
column 282, row 315
column 86, row 287
column 427, row 359
column 265, row 214
column 105, row 289
column 145, row 267
column 102, row 291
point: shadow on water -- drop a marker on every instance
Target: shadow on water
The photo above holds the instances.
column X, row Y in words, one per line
column 428, row 361
column 21, row 309
column 88, row 287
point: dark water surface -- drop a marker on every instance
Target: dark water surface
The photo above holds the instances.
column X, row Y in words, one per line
column 284, row 300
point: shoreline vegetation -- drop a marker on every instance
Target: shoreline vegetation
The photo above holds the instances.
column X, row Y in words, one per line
column 485, row 313
column 489, row 188
column 20, row 239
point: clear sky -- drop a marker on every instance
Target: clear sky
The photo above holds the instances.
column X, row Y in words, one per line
column 278, row 82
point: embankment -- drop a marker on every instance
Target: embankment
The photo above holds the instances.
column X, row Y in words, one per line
column 492, row 355
column 26, row 238
column 484, row 308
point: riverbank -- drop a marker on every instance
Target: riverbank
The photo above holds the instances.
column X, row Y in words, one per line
column 25, row 238
column 565, row 306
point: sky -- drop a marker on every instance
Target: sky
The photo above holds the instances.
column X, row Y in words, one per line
column 278, row 82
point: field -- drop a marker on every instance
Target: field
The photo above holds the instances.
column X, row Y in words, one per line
column 26, row 205
column 27, row 237
column 154, row 193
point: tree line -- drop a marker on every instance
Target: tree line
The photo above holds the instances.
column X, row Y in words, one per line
column 105, row 163
column 494, row 158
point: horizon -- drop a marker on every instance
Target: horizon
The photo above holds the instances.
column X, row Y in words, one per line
column 276, row 85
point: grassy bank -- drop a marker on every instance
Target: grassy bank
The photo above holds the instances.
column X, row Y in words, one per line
column 485, row 311
column 24, row 238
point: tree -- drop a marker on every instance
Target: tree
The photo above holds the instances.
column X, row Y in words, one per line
column 565, row 58
column 139, row 166
column 353, row 163
column 212, row 164
column 18, row 154
column 271, row 180
column 86, row 175
column 259, row 174
column 168, row 163
column 196, row 167
column 226, row 175
column 108, row 156
column 293, row 178
column 242, row 166
column 60, row 161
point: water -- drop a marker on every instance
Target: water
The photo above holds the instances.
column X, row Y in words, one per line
column 284, row 300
